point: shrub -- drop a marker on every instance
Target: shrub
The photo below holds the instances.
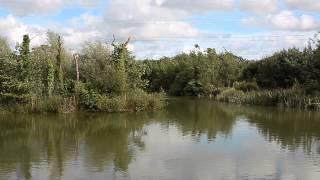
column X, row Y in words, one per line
column 136, row 100
column 246, row 86
column 111, row 104
column 87, row 98
column 231, row 95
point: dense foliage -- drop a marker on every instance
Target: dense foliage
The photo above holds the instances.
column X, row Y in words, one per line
column 290, row 77
column 48, row 78
column 102, row 79
column 197, row 73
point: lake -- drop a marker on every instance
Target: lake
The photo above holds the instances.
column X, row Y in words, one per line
column 189, row 140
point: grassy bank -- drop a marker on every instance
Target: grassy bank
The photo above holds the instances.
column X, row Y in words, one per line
column 134, row 101
column 289, row 98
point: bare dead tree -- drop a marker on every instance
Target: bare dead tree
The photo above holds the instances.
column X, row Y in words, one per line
column 123, row 45
column 114, row 39
column 127, row 42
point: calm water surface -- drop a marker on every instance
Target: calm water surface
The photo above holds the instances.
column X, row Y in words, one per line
column 189, row 140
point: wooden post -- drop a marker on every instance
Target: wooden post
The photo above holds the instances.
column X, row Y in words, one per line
column 76, row 58
column 76, row 62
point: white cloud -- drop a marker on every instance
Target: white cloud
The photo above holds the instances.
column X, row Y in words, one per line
column 74, row 38
column 307, row 5
column 147, row 20
column 199, row 5
column 86, row 21
column 14, row 30
column 153, row 24
column 259, row 7
column 287, row 20
column 26, row 7
column 284, row 20
column 41, row 7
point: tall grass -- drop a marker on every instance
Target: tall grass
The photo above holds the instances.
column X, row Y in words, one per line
column 133, row 101
column 291, row 98
column 136, row 100
column 34, row 104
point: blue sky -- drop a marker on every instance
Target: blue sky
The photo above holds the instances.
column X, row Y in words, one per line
column 250, row 28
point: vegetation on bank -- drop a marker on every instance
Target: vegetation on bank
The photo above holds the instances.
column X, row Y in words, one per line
column 48, row 78
column 135, row 101
column 291, row 98
column 289, row 78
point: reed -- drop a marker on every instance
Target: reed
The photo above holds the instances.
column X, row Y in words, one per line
column 289, row 98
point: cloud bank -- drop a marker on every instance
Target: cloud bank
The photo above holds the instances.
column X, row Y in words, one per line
column 166, row 27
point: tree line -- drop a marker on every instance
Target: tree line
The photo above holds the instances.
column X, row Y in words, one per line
column 290, row 77
column 49, row 78
column 102, row 77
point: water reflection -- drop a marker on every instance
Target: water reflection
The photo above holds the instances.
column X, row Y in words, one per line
column 27, row 141
column 292, row 129
column 201, row 117
column 191, row 139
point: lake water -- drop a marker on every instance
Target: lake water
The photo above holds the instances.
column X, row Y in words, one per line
column 189, row 140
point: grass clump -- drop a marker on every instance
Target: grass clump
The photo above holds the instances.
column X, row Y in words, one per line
column 52, row 104
column 246, row 86
column 288, row 98
column 134, row 101
column 231, row 95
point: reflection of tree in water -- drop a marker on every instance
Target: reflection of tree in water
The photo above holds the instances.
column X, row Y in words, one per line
column 27, row 141
column 291, row 129
column 15, row 146
column 108, row 140
column 112, row 140
column 201, row 117
column 121, row 138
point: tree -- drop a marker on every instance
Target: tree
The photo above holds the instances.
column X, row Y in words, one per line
column 55, row 43
column 24, row 53
column 43, row 76
column 58, row 74
column 120, row 53
column 12, row 88
column 97, row 67
column 4, row 47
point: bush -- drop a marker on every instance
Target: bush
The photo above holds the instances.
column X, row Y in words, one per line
column 139, row 100
column 111, row 104
column 246, row 86
column 87, row 98
column 231, row 95
column 136, row 100
column 312, row 87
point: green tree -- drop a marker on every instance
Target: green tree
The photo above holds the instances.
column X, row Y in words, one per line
column 4, row 47
column 12, row 88
column 120, row 54
column 24, row 53
column 58, row 74
column 55, row 43
column 43, row 76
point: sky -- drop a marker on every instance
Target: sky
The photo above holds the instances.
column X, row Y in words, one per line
column 249, row 28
